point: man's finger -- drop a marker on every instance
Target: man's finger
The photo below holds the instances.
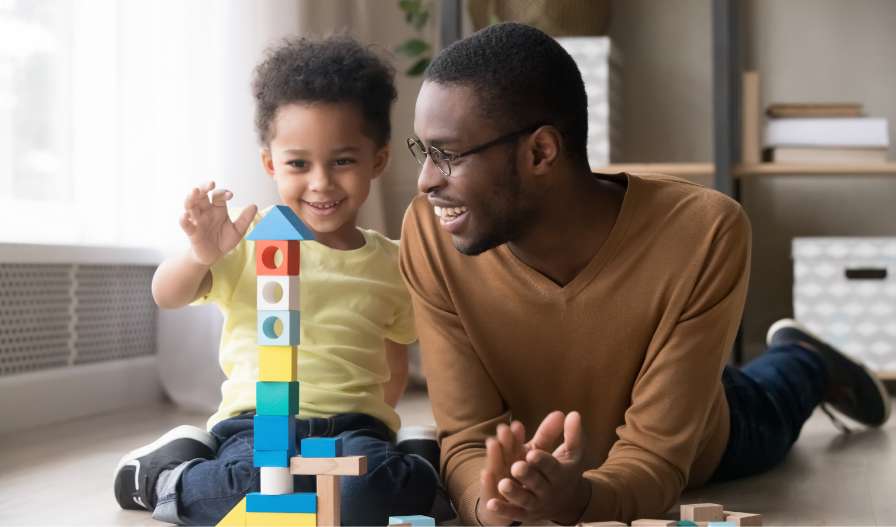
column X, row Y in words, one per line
column 545, row 463
column 494, row 458
column 530, row 477
column 245, row 219
column 549, row 432
column 519, row 433
column 503, row 508
column 516, row 494
column 508, row 448
column 573, row 436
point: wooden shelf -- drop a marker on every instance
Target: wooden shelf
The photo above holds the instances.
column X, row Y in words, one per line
column 672, row 169
column 763, row 169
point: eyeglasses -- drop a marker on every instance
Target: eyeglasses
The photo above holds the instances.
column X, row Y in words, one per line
column 443, row 161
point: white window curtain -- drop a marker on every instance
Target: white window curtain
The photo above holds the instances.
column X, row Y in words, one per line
column 111, row 110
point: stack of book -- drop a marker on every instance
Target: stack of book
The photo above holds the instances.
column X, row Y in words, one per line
column 824, row 133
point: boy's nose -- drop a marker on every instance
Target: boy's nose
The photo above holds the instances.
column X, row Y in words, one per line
column 320, row 179
column 430, row 178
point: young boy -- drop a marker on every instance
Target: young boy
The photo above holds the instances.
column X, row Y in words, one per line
column 322, row 115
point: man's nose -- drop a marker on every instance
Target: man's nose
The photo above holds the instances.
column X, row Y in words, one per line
column 430, row 178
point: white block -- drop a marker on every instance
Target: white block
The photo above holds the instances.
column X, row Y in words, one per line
column 276, row 480
column 278, row 293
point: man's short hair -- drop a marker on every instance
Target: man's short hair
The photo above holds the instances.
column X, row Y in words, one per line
column 521, row 76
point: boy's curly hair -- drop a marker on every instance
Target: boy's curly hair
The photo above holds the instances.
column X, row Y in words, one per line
column 335, row 69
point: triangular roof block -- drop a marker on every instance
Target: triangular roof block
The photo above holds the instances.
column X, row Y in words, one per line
column 281, row 223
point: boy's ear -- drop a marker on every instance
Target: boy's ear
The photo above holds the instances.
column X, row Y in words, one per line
column 380, row 161
column 267, row 161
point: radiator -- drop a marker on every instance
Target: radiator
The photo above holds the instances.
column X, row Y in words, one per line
column 78, row 330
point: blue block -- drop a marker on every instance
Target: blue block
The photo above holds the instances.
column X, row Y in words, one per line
column 281, row 223
column 322, row 447
column 267, row 324
column 720, row 524
column 270, row 458
column 277, row 398
column 303, row 502
column 275, row 432
column 413, row 520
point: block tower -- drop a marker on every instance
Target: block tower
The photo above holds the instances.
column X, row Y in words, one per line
column 278, row 238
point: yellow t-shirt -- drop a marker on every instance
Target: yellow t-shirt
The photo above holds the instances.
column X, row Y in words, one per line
column 350, row 302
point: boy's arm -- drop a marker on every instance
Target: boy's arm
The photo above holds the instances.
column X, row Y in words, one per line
column 179, row 281
column 397, row 356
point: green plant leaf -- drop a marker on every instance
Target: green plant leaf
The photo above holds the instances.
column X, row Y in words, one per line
column 409, row 6
column 420, row 20
column 412, row 47
column 418, row 68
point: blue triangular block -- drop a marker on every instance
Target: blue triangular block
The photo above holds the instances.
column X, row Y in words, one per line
column 281, row 223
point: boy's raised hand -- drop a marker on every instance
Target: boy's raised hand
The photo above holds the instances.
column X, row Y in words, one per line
column 206, row 222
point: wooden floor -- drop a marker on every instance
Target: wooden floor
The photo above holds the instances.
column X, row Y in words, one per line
column 62, row 475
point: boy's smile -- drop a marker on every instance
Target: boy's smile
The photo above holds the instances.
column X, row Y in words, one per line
column 323, row 164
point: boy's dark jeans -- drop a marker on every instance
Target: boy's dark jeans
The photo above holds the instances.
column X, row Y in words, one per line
column 395, row 483
column 769, row 399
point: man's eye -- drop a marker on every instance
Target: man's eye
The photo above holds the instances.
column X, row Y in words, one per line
column 297, row 163
column 344, row 161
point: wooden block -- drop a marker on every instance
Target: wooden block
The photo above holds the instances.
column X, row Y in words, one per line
column 276, row 480
column 278, row 293
column 329, row 500
column 281, row 223
column 278, row 328
column 270, row 458
column 322, row 447
column 415, row 520
column 275, row 432
column 305, row 502
column 236, row 517
column 602, row 524
column 277, row 363
column 743, row 518
column 277, row 258
column 332, row 466
column 702, row 512
column 654, row 523
column 277, row 398
column 281, row 519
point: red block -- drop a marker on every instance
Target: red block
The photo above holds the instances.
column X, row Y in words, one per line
column 266, row 257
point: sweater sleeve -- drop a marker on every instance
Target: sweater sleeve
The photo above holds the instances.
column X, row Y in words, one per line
column 674, row 392
column 466, row 403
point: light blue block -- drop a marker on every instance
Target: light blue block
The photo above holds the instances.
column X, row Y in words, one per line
column 270, row 458
column 322, row 447
column 281, row 223
column 275, row 432
column 413, row 520
column 277, row 398
column 304, row 502
column 266, row 325
column 721, row 524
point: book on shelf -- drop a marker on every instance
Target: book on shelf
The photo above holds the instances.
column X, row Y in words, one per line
column 821, row 109
column 821, row 155
column 848, row 132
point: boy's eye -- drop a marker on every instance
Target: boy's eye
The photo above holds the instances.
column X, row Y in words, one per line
column 297, row 163
column 344, row 161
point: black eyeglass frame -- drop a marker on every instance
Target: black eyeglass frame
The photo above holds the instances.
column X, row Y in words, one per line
column 450, row 158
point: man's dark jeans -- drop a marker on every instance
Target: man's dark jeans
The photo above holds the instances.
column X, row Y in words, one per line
column 395, row 483
column 769, row 399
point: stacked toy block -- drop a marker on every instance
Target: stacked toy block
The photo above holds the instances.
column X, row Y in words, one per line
column 693, row 515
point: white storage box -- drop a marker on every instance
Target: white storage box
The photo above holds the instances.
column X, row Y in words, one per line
column 844, row 290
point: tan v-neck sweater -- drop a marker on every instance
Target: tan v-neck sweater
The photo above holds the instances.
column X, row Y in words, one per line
column 635, row 342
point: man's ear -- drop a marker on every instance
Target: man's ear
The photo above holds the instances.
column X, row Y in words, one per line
column 380, row 160
column 267, row 162
column 545, row 144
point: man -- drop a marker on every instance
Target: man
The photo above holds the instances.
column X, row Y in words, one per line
column 596, row 310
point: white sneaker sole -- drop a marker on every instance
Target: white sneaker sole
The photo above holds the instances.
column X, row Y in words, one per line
column 182, row 431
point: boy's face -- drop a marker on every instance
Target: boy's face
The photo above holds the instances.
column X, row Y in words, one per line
column 323, row 164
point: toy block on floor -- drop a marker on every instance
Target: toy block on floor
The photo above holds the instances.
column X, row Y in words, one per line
column 236, row 517
column 415, row 520
column 743, row 518
column 278, row 293
column 281, row 223
column 280, row 519
column 321, row 447
column 305, row 502
column 275, row 432
column 719, row 524
column 702, row 512
column 687, row 523
column 270, row 458
column 277, row 258
column 654, row 523
column 602, row 524
column 277, row 363
column 333, row 466
column 329, row 500
column 277, row 398
column 278, row 328
column 276, row 480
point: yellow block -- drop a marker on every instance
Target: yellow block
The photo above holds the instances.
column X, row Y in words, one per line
column 277, row 363
column 236, row 516
column 281, row 519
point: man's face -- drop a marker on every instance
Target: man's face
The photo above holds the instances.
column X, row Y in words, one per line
column 483, row 203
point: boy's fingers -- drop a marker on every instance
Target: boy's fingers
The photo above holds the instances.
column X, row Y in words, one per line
column 533, row 480
column 505, row 509
column 187, row 225
column 519, row 433
column 508, row 449
column 245, row 219
column 220, row 197
column 515, row 494
column 544, row 463
column 494, row 458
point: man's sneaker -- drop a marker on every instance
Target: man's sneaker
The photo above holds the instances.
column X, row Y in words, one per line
column 853, row 389
column 137, row 472
column 422, row 441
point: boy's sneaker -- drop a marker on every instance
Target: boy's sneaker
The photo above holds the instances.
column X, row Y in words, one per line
column 853, row 389
column 422, row 441
column 137, row 472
